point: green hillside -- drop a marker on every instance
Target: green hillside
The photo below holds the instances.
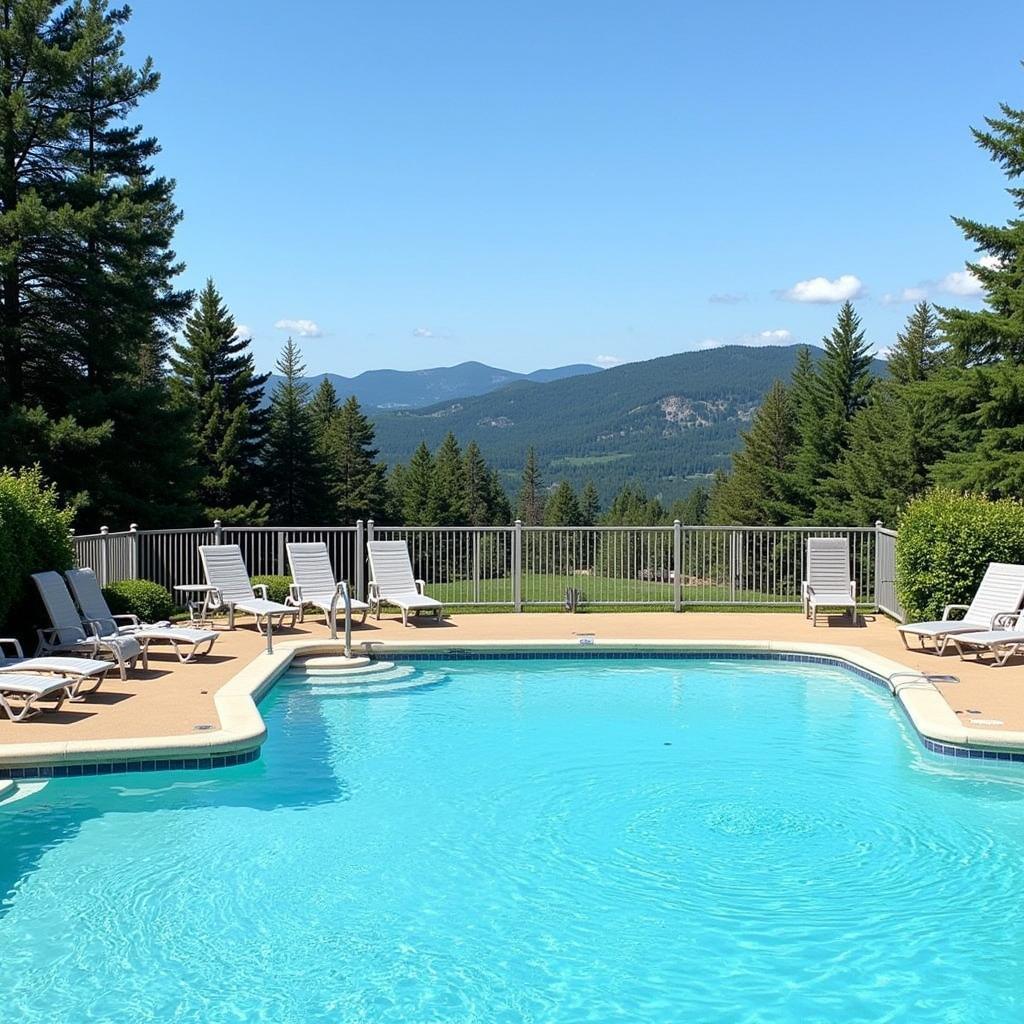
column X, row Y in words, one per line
column 665, row 423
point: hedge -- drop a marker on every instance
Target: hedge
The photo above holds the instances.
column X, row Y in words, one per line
column 945, row 541
column 34, row 536
column 148, row 600
column 277, row 586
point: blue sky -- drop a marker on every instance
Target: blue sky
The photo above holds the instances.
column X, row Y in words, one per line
column 530, row 184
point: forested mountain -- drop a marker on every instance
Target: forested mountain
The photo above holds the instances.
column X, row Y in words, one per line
column 413, row 389
column 664, row 424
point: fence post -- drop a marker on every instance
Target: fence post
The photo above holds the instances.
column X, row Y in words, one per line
column 476, row 566
column 732, row 566
column 281, row 564
column 133, row 551
column 878, row 562
column 217, row 532
column 359, row 569
column 104, row 556
column 74, row 547
column 677, row 566
column 517, row 566
column 369, row 530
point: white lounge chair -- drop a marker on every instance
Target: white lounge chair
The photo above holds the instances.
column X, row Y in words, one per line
column 81, row 670
column 313, row 583
column 67, row 632
column 1003, row 641
column 188, row 643
column 1000, row 592
column 828, row 583
column 232, row 588
column 393, row 583
column 29, row 690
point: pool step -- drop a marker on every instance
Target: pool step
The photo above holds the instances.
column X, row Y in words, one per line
column 335, row 665
column 402, row 677
column 10, row 791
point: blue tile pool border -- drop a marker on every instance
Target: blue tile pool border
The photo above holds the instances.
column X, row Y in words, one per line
column 122, row 766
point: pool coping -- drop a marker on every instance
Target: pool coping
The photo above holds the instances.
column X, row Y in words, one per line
column 242, row 729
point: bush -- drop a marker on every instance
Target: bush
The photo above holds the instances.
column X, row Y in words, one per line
column 944, row 544
column 148, row 600
column 277, row 586
column 34, row 536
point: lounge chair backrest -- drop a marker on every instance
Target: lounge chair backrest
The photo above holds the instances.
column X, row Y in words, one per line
column 91, row 602
column 390, row 566
column 225, row 570
column 63, row 614
column 1001, row 590
column 828, row 564
column 312, row 571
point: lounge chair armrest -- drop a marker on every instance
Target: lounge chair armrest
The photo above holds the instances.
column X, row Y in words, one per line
column 214, row 599
column 953, row 608
column 13, row 643
column 421, row 586
column 374, row 590
column 132, row 620
column 295, row 593
column 261, row 589
column 1004, row 620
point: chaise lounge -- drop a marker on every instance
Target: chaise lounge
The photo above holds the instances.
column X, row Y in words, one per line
column 313, row 583
column 1000, row 593
column 232, row 588
column 29, row 690
column 828, row 583
column 393, row 583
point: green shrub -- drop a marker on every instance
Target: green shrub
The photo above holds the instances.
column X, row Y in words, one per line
column 277, row 586
column 148, row 600
column 945, row 541
column 34, row 536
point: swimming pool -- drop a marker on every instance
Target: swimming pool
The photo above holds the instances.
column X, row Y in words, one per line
column 571, row 840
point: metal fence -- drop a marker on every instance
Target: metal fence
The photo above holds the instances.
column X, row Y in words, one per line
column 522, row 567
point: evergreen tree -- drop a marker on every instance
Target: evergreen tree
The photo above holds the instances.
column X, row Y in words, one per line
column 87, row 302
column 758, row 490
column 919, row 351
column 590, row 505
column 418, row 489
column 562, row 508
column 632, row 507
column 323, row 407
column 357, row 479
column 477, row 487
column 294, row 472
column 530, row 508
column 827, row 403
column 693, row 509
column 448, row 498
column 986, row 399
column 215, row 380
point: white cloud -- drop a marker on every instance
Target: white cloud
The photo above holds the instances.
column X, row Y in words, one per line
column 303, row 328
column 963, row 282
column 821, row 289
column 607, row 361
column 904, row 295
column 242, row 331
column 780, row 336
column 422, row 332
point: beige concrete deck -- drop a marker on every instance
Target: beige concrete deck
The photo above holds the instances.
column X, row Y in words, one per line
column 172, row 699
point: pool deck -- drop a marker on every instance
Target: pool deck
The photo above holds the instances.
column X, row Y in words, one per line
column 170, row 700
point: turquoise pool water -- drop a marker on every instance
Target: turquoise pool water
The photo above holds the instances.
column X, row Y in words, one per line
column 532, row 841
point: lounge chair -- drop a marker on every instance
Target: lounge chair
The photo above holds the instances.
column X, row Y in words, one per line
column 393, row 582
column 67, row 632
column 1003, row 641
column 232, row 588
column 1000, row 592
column 314, row 583
column 81, row 670
column 828, row 583
column 29, row 690
column 188, row 643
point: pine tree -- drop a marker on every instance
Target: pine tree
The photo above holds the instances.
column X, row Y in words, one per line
column 477, row 487
column 323, row 408
column 758, row 490
column 531, row 495
column 562, row 508
column 827, row 403
column 919, row 350
column 215, row 379
column 590, row 505
column 693, row 509
column 418, row 489
column 986, row 399
column 357, row 479
column 294, row 472
column 448, row 498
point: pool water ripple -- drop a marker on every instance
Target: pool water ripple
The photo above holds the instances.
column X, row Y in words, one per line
column 532, row 841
